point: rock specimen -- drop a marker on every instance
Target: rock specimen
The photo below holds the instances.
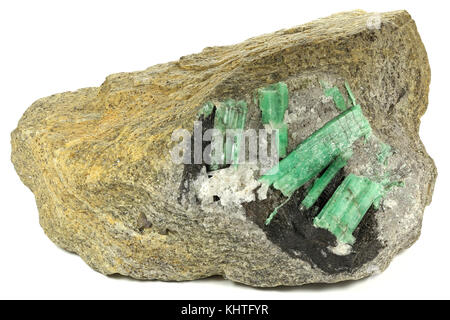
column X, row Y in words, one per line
column 99, row 159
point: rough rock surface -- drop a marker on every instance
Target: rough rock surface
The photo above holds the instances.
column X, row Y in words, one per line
column 98, row 161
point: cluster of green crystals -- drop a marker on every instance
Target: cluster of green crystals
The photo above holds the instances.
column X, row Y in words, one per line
column 320, row 149
column 348, row 205
column 330, row 148
column 273, row 102
column 230, row 119
column 327, row 150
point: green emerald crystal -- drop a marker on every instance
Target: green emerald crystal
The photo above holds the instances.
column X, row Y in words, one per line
column 321, row 183
column 337, row 96
column 350, row 94
column 275, row 211
column 348, row 205
column 230, row 119
column 316, row 152
column 206, row 109
column 230, row 115
column 273, row 102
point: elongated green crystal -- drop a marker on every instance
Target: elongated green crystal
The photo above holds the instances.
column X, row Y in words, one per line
column 321, row 183
column 348, row 205
column 316, row 152
column 337, row 96
column 350, row 94
column 230, row 115
column 273, row 102
column 275, row 211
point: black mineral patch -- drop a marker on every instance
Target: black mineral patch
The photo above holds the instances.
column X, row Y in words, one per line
column 293, row 230
column 191, row 171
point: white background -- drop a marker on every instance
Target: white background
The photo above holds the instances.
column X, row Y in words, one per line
column 48, row 47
